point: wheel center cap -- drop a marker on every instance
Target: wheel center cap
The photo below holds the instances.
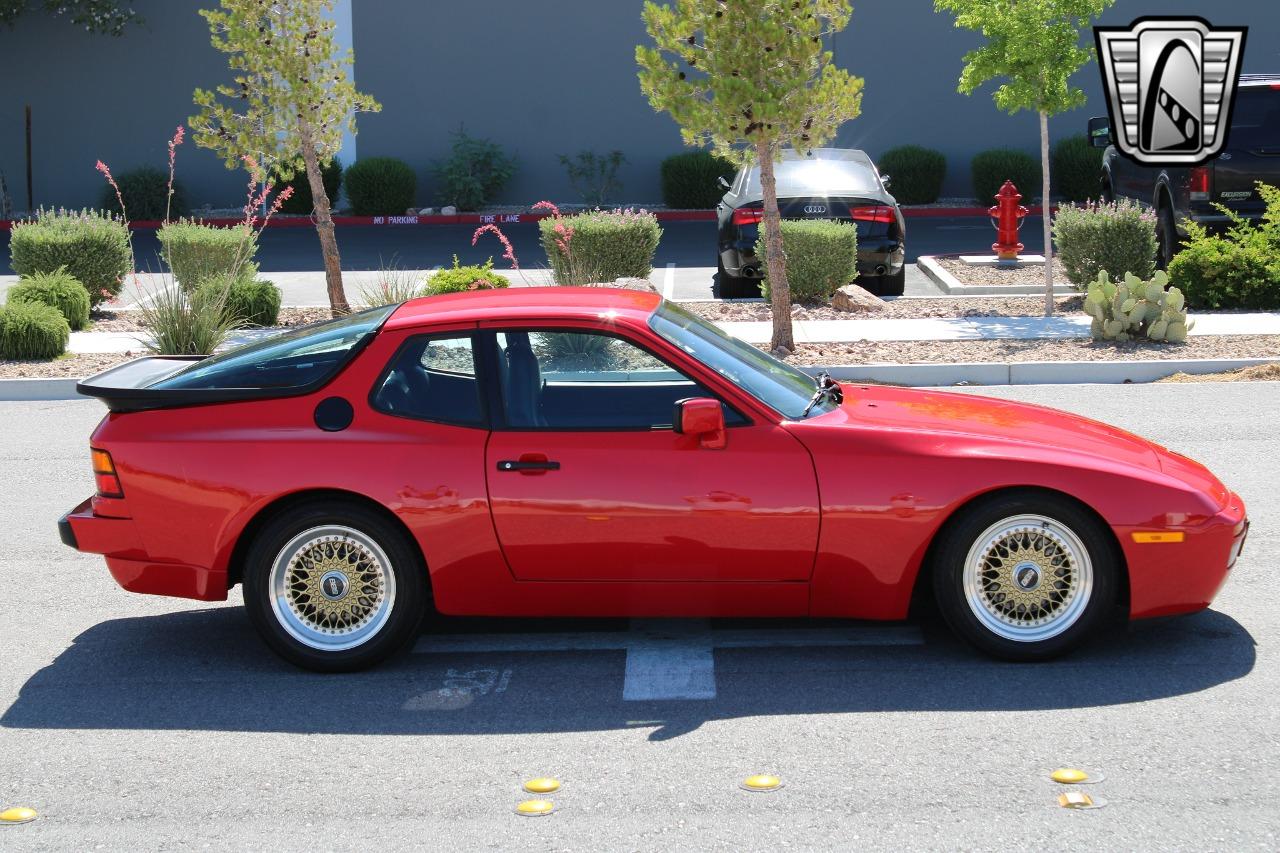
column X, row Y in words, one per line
column 1026, row 576
column 333, row 585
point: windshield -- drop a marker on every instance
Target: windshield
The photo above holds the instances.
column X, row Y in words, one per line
column 776, row 384
column 820, row 177
column 293, row 360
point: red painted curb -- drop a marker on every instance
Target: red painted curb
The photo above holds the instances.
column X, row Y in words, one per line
column 516, row 218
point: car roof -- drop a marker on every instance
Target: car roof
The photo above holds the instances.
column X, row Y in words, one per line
column 526, row 303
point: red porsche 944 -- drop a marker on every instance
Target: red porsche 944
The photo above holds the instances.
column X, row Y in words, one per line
column 597, row 452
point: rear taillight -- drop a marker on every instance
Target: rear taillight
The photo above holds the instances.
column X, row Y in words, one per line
column 748, row 216
column 1198, row 182
column 104, row 472
column 875, row 213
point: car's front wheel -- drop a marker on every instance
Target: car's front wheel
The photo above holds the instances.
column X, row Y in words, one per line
column 334, row 587
column 1026, row 576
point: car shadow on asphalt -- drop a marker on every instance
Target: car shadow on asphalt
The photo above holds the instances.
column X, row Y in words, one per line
column 205, row 670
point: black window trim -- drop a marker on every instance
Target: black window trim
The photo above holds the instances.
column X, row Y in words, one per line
column 487, row 361
column 486, row 420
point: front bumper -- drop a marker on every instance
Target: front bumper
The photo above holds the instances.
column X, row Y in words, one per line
column 132, row 567
column 1184, row 577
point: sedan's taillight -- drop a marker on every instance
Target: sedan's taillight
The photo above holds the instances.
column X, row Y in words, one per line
column 104, row 473
column 1198, row 181
column 874, row 213
column 748, row 216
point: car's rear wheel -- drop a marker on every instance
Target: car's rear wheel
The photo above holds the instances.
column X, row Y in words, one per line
column 1167, row 243
column 732, row 286
column 334, row 587
column 887, row 285
column 1025, row 576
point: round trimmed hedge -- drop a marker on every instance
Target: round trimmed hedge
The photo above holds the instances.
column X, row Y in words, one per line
column 1076, row 169
column 380, row 186
column 31, row 331
column 146, row 195
column 252, row 302
column 689, row 180
column 916, row 173
column 58, row 289
column 992, row 168
column 300, row 201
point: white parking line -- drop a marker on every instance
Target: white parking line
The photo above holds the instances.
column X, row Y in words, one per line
column 672, row 658
column 669, row 282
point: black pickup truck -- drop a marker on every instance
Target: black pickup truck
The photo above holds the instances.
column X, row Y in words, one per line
column 1178, row 193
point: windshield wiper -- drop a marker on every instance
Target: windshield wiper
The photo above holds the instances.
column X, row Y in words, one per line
column 826, row 387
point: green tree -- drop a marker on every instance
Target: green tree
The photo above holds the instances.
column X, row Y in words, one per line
column 748, row 79
column 1033, row 46
column 104, row 17
column 289, row 103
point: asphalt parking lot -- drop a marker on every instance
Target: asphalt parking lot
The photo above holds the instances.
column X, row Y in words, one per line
column 131, row 722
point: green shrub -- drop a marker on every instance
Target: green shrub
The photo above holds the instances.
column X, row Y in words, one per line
column 600, row 246
column 93, row 247
column 990, row 169
column 474, row 173
column 184, row 323
column 380, row 186
column 916, row 173
column 460, row 279
column 822, row 257
column 1134, row 308
column 1075, row 167
column 300, row 201
column 32, row 330
column 58, row 289
column 1238, row 269
column 197, row 252
column 146, row 196
column 1118, row 238
column 249, row 301
column 690, row 180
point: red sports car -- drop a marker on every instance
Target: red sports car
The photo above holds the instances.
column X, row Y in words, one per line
column 597, row 452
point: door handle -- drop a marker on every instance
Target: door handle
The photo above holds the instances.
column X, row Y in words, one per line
column 527, row 465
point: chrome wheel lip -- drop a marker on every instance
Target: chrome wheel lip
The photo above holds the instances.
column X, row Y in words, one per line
column 1071, row 609
column 299, row 628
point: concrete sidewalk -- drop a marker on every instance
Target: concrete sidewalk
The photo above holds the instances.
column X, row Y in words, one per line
column 839, row 331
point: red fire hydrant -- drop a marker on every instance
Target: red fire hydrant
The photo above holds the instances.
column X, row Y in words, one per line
column 1009, row 214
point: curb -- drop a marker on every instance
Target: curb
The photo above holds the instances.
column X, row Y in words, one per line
column 951, row 286
column 516, row 218
column 913, row 375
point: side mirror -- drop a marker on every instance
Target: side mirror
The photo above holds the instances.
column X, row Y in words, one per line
column 722, row 182
column 884, row 180
column 1100, row 132
column 701, row 417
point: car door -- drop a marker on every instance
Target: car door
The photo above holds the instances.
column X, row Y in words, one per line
column 588, row 480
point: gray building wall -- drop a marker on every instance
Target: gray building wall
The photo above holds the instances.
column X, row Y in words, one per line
column 540, row 78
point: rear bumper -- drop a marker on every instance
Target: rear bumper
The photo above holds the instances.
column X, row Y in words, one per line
column 1184, row 577
column 742, row 261
column 132, row 567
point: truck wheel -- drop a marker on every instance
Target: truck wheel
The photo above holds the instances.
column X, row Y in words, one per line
column 1166, row 237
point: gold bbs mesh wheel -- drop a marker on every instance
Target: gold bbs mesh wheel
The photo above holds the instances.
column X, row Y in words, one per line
column 332, row 587
column 1028, row 578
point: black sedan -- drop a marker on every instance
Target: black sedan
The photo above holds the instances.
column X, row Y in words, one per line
column 827, row 183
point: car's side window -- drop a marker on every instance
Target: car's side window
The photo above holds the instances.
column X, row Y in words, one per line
column 587, row 380
column 432, row 379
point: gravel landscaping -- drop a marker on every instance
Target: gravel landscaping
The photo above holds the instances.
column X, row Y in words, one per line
column 902, row 308
column 987, row 275
column 1257, row 373
column 908, row 352
column 131, row 320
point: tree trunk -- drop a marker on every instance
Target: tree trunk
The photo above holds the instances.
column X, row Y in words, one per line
column 324, row 224
column 1044, row 214
column 779, row 287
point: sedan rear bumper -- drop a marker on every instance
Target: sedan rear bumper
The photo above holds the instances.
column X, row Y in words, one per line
column 133, row 569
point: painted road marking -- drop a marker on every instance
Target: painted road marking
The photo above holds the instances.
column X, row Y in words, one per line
column 669, row 282
column 671, row 658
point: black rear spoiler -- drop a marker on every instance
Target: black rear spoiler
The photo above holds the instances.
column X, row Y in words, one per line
column 127, row 387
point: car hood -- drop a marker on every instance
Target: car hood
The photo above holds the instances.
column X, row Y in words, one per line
column 1003, row 421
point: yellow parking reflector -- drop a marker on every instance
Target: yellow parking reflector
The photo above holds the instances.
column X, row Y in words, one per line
column 542, row 785
column 19, row 814
column 1069, row 776
column 1080, row 800
column 761, row 782
column 535, row 808
column 1147, row 537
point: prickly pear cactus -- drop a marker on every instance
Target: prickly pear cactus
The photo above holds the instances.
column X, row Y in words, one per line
column 1134, row 308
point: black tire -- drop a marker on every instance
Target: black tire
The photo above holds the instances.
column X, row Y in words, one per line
column 402, row 584
column 732, row 286
column 890, row 285
column 1079, row 616
column 1167, row 243
column 1105, row 193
